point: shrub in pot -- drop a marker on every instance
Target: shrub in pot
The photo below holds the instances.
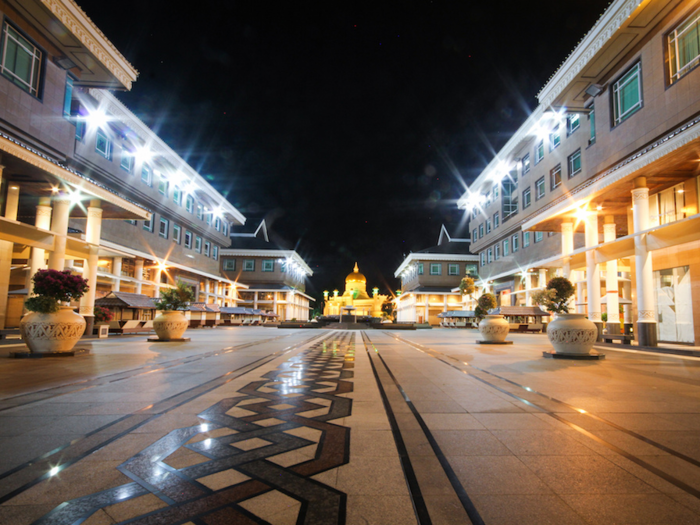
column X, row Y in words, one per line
column 171, row 322
column 493, row 328
column 51, row 324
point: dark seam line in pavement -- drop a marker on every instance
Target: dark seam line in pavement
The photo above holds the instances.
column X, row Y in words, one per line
column 632, row 433
column 419, row 506
column 242, row 370
column 660, row 473
column 464, row 498
column 99, row 380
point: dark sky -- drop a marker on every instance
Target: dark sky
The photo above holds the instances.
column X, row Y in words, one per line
column 353, row 127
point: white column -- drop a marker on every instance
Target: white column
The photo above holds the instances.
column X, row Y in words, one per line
column 444, row 305
column 138, row 273
column 37, row 261
column 6, row 248
column 592, row 269
column 646, row 308
column 59, row 225
column 93, row 230
column 274, row 302
column 158, row 274
column 117, row 272
column 542, row 278
column 426, row 319
column 612, row 293
column 528, row 287
column 567, row 245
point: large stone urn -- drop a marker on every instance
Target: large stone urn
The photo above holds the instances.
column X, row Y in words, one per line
column 170, row 324
column 52, row 333
column 494, row 328
column 572, row 334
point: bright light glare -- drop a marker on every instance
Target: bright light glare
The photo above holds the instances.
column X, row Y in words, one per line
column 143, row 154
column 203, row 427
column 75, row 197
column 97, row 118
column 53, row 471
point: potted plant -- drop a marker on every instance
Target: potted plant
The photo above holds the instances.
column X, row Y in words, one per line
column 51, row 324
column 171, row 323
column 102, row 317
column 568, row 333
column 493, row 328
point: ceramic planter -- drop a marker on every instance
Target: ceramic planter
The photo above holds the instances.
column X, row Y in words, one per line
column 170, row 324
column 49, row 333
column 572, row 334
column 494, row 328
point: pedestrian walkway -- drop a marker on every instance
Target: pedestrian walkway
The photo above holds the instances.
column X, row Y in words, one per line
column 252, row 425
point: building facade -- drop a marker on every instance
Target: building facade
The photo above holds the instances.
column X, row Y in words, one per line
column 600, row 183
column 87, row 186
column 274, row 277
column 354, row 301
column 430, row 280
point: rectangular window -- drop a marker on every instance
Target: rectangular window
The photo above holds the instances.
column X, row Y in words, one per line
column 68, row 96
column 230, row 265
column 483, row 258
column 474, row 234
column 514, row 240
column 591, row 121
column 163, row 186
column 509, row 199
column 435, row 269
column 21, row 60
column 420, row 268
column 490, row 252
column 453, row 269
column 163, row 228
column 224, row 228
column 488, row 225
column 526, row 239
column 79, row 128
column 627, row 94
column 506, row 247
column 208, row 219
column 471, row 269
column 527, row 198
column 146, row 175
column 268, row 265
column 207, row 248
column 526, row 164
column 555, row 176
column 188, row 239
column 200, row 212
column 539, row 236
column 573, row 122
column 497, row 251
column 189, row 203
column 539, row 187
column 684, row 47
column 148, row 225
column 177, row 196
column 496, row 220
column 481, row 231
column 554, row 138
column 127, row 160
column 574, row 163
column 217, row 224
column 103, row 145
column 215, row 252
column 539, row 152
column 249, row 265
column 495, row 192
column 198, row 244
column 177, row 233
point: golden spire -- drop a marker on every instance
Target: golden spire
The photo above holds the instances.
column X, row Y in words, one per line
column 356, row 270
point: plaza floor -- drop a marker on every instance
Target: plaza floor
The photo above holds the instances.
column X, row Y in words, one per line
column 254, row 425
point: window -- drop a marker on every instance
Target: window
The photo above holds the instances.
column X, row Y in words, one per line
column 435, row 269
column 189, row 203
column 554, row 138
column 471, row 269
column 526, row 239
column 453, row 269
column 481, row 230
column 68, row 96
column 591, row 121
column 627, row 94
column 539, row 186
column 527, row 198
column 215, row 252
column 177, row 233
column 249, row 265
column 163, row 228
column 526, row 164
column 495, row 192
column 208, row 219
column 217, row 224
column 514, row 241
column 509, row 199
column 488, row 225
column 130, row 221
column 497, row 251
column 148, row 225
column 127, row 160
column 200, row 211
column 163, row 186
column 177, row 196
column 207, row 248
column 224, row 228
column 539, row 236
column 574, row 163
column 573, row 122
column 268, row 265
column 539, row 152
column 496, row 220
column 483, row 258
column 475, row 235
column 198, row 244
column 103, row 145
column 188, row 239
column 667, row 206
column 21, row 60
column 555, row 176
column 506, row 246
column 146, row 175
column 420, row 268
column 490, row 252
column 230, row 265
column 684, row 47
column 79, row 128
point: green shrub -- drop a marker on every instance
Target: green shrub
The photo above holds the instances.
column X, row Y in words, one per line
column 178, row 298
column 555, row 296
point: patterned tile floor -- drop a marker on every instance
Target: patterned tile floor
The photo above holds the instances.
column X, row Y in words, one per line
column 253, row 425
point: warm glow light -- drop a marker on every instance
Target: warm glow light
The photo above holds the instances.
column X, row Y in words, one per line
column 599, row 207
column 97, row 118
column 54, row 189
column 75, row 197
column 143, row 154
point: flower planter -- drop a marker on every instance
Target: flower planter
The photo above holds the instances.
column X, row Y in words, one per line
column 170, row 324
column 50, row 333
column 494, row 328
column 572, row 334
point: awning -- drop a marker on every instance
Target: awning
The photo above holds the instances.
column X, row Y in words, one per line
column 126, row 300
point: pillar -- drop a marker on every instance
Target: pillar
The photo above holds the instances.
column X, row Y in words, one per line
column 567, row 246
column 593, row 272
column 542, row 278
column 528, row 288
column 612, row 292
column 138, row 273
column 59, row 225
column 646, row 307
column 37, row 259
column 93, row 231
column 158, row 275
column 117, row 272
column 6, row 248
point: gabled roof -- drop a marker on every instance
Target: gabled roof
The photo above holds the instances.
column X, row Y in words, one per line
column 126, row 300
column 257, row 239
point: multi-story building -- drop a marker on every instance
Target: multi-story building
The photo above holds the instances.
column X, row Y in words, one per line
column 600, row 183
column 73, row 156
column 275, row 276
column 430, row 278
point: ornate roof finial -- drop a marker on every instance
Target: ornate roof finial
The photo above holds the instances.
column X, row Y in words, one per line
column 356, row 270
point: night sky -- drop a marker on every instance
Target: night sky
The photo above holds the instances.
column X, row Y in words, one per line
column 353, row 128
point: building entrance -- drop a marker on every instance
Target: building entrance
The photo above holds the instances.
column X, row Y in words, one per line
column 674, row 305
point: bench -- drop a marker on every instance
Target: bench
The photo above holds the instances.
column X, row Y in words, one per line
column 10, row 331
column 625, row 339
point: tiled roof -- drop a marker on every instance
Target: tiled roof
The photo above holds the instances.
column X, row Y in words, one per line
column 126, row 300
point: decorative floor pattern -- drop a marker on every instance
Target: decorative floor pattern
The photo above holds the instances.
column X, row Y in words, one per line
column 252, row 452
